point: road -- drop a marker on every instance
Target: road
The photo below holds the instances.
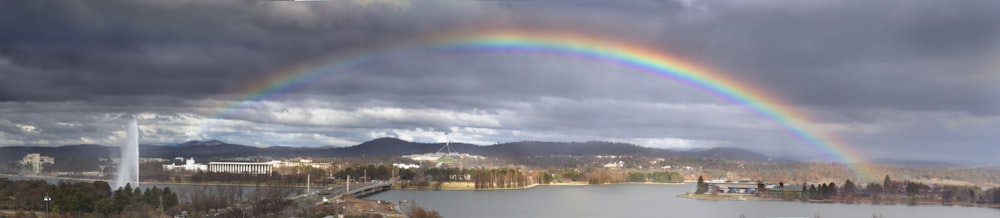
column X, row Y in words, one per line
column 314, row 198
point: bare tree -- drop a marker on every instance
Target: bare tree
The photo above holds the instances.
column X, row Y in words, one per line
column 270, row 200
column 414, row 211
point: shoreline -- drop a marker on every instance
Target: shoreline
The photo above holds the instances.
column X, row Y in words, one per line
column 470, row 186
column 736, row 197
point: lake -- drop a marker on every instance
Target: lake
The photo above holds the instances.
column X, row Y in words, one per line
column 645, row 200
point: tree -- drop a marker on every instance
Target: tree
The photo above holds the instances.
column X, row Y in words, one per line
column 381, row 173
column 821, row 191
column 887, row 185
column 136, row 196
column 875, row 190
column 169, row 198
column 702, row 186
column 270, row 200
column 103, row 188
column 913, row 188
column 406, row 174
column 813, row 193
column 105, row 206
column 121, row 198
column 761, row 187
column 850, row 189
column 636, row 177
column 419, row 212
column 831, row 190
column 152, row 197
column 805, row 192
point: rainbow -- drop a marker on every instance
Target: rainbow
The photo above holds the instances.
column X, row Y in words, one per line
column 636, row 57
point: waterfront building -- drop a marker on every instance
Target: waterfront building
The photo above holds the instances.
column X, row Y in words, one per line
column 251, row 168
column 189, row 165
column 36, row 160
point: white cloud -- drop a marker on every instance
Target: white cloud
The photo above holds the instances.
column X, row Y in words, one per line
column 28, row 128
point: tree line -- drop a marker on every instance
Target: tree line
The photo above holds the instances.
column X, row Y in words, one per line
column 80, row 198
column 500, row 178
column 888, row 191
column 658, row 177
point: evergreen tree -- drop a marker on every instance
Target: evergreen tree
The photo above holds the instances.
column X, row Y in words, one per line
column 169, row 198
column 105, row 206
column 804, row 195
column 887, row 186
column 121, row 198
column 813, row 192
column 136, row 197
column 152, row 197
column 831, row 190
column 912, row 188
column 702, row 187
column 822, row 190
column 850, row 189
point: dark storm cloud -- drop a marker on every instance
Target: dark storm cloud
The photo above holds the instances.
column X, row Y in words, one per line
column 882, row 75
column 495, row 78
column 79, row 49
column 920, row 55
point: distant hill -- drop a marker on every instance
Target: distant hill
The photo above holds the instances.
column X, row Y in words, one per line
column 383, row 147
column 916, row 163
column 61, row 152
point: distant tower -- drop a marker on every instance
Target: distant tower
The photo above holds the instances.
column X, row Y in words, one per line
column 447, row 146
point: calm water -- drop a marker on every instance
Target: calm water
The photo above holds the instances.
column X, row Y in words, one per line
column 645, row 201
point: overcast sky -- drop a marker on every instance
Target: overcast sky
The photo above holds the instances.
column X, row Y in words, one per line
column 906, row 79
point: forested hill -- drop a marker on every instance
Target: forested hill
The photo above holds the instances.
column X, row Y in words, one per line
column 381, row 147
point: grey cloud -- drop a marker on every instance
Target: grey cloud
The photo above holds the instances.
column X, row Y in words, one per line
column 865, row 54
column 189, row 48
column 883, row 75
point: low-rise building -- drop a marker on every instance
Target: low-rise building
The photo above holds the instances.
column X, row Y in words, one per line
column 733, row 188
column 615, row 165
column 304, row 163
column 251, row 168
column 189, row 165
column 36, row 161
column 405, row 166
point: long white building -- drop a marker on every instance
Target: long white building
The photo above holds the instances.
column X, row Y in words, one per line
column 253, row 168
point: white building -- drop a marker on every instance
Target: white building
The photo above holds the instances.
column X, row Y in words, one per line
column 35, row 160
column 405, row 166
column 253, row 168
column 615, row 165
column 431, row 157
column 189, row 165
column 304, row 163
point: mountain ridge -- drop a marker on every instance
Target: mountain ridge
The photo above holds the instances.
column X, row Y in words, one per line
column 382, row 147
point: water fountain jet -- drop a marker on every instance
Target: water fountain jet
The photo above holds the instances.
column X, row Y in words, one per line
column 128, row 165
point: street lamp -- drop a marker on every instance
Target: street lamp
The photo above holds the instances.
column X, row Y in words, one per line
column 47, row 199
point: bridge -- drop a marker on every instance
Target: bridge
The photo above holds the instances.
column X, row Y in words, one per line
column 355, row 190
column 361, row 190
